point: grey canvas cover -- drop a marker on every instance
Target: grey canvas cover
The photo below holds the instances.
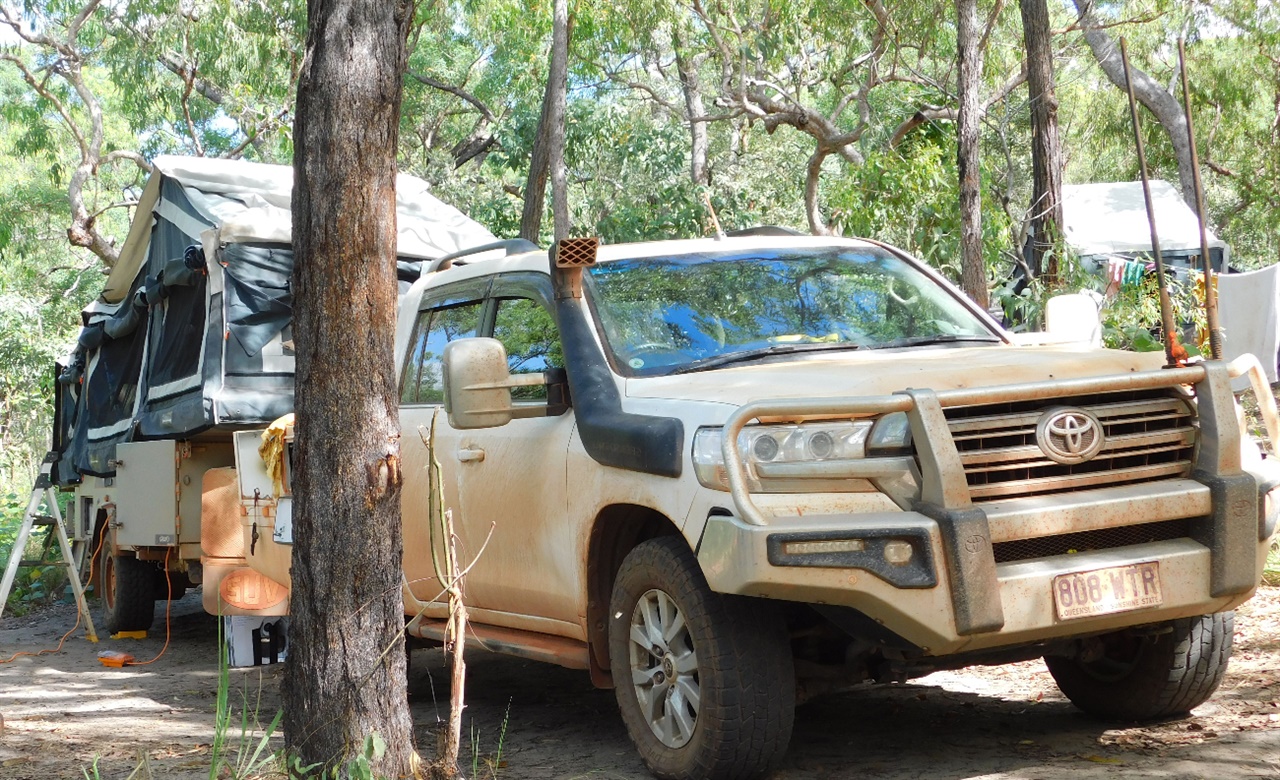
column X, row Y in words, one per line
column 192, row 330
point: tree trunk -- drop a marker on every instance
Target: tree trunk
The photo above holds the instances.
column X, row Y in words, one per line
column 346, row 670
column 535, row 186
column 557, row 84
column 812, row 209
column 973, row 272
column 1159, row 101
column 1046, row 152
column 694, row 109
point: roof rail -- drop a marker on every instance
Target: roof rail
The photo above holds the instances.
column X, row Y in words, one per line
column 765, row 230
column 514, row 246
column 408, row 270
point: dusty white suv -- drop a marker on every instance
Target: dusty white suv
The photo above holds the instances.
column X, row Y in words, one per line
column 725, row 475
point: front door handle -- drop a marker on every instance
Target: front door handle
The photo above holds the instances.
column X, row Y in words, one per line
column 472, row 455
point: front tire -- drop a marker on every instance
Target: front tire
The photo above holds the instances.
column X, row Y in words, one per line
column 1148, row 676
column 704, row 681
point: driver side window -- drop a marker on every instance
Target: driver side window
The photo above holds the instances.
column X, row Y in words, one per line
column 528, row 332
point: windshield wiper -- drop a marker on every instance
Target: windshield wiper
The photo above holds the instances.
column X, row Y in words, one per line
column 924, row 341
column 762, row 352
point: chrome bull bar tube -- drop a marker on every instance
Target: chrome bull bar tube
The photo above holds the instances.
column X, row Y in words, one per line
column 964, row 529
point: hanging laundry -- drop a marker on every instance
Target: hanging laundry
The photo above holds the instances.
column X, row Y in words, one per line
column 1247, row 312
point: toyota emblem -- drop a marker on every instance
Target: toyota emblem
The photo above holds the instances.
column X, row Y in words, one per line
column 1069, row 436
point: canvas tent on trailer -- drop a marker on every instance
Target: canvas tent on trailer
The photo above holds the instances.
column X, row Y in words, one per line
column 1109, row 220
column 192, row 329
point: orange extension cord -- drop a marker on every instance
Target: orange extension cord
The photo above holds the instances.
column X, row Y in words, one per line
column 93, row 561
column 167, row 601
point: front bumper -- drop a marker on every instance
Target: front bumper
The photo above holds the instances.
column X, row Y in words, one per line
column 954, row 596
column 735, row 557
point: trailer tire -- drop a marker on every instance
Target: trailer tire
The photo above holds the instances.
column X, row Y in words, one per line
column 128, row 592
column 1148, row 676
column 170, row 586
column 716, row 670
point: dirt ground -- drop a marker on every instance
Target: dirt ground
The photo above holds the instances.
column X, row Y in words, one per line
column 64, row 711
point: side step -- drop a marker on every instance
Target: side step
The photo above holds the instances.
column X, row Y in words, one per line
column 558, row 650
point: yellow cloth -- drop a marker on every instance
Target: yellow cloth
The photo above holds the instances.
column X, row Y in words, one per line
column 272, row 450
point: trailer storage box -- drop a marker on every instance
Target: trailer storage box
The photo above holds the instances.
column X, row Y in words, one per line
column 255, row 641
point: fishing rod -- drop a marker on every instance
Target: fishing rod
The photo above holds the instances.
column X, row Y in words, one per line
column 1210, row 285
column 1166, row 309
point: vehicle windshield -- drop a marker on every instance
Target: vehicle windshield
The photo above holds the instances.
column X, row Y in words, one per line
column 688, row 312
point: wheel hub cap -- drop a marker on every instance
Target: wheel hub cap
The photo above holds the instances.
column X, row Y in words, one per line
column 664, row 669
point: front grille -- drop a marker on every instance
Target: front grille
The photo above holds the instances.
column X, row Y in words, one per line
column 1150, row 435
column 1084, row 541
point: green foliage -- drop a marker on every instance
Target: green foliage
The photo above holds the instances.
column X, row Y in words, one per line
column 37, row 585
column 627, row 134
column 907, row 197
column 1131, row 318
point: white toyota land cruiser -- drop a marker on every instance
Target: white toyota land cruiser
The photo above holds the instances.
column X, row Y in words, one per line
column 723, row 475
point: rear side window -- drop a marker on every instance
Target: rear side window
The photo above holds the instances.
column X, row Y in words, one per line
column 422, row 380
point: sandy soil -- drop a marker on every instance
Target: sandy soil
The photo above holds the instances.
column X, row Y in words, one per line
column 64, row 711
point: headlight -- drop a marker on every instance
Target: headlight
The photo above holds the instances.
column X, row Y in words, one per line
column 797, row 444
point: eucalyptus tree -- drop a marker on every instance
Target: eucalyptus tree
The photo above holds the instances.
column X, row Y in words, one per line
column 1045, row 211
column 117, row 83
column 973, row 274
column 1234, row 68
column 345, row 686
column 1156, row 97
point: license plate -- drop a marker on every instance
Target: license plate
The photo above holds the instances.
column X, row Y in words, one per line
column 1103, row 591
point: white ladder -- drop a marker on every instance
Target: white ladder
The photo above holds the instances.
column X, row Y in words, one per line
column 44, row 493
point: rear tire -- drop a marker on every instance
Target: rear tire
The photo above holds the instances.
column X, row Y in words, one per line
column 128, row 592
column 170, row 586
column 1143, row 677
column 705, row 682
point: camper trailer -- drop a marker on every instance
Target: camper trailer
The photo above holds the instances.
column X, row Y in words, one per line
column 188, row 343
column 1108, row 221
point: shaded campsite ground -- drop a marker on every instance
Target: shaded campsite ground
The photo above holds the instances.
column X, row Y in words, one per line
column 64, row 711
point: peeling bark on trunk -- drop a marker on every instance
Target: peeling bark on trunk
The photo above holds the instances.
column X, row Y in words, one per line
column 557, row 85
column 535, row 186
column 1046, row 152
column 694, row 109
column 1158, row 100
column 973, row 273
column 812, row 209
column 346, row 675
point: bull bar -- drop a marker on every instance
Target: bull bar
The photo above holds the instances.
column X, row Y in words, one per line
column 965, row 532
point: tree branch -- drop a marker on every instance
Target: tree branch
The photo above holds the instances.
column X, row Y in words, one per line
column 456, row 92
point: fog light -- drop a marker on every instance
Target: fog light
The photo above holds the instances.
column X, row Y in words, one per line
column 826, row 546
column 765, row 448
column 898, row 553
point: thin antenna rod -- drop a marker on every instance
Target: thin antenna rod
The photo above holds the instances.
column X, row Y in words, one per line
column 1210, row 286
column 1166, row 310
column 711, row 210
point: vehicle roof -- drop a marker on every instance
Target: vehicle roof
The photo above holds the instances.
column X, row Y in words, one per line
column 494, row 262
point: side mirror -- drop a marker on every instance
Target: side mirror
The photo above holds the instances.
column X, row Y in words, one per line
column 477, row 385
